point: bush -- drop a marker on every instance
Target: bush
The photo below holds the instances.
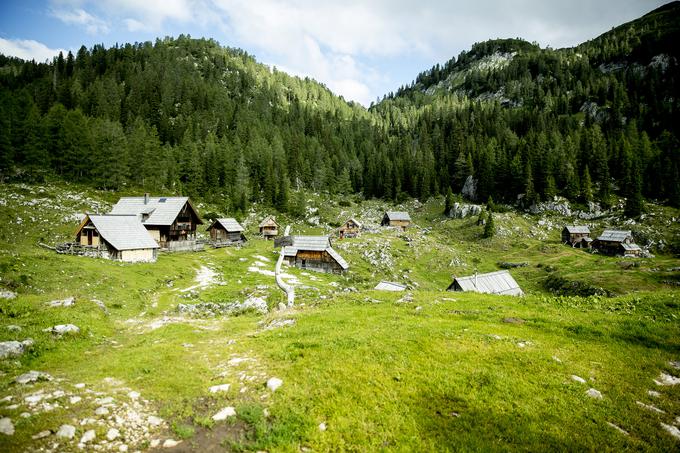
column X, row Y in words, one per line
column 562, row 286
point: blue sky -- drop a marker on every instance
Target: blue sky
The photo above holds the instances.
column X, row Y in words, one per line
column 359, row 49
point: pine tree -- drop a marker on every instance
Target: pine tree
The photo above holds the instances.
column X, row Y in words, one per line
column 343, row 185
column 586, row 186
column 448, row 201
column 489, row 227
column 634, row 203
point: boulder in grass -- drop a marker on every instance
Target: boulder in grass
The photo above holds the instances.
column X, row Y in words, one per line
column 6, row 426
column 69, row 301
column 63, row 329
column 32, row 376
column 274, row 383
column 9, row 349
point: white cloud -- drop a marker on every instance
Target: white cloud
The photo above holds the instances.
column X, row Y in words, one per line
column 93, row 25
column 349, row 45
column 134, row 25
column 27, row 49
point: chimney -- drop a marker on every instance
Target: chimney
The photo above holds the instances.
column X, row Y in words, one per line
column 146, row 198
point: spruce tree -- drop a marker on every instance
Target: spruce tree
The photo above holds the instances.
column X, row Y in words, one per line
column 448, row 202
column 634, row 203
column 586, row 186
column 489, row 227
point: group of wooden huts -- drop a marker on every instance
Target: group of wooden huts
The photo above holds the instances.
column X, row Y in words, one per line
column 610, row 242
column 137, row 227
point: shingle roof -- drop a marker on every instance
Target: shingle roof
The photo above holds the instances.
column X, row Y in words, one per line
column 577, row 229
column 499, row 282
column 352, row 219
column 338, row 259
column 123, row 232
column 312, row 243
column 398, row 215
column 162, row 210
column 390, row 286
column 615, row 235
column 230, row 225
column 630, row 247
column 269, row 220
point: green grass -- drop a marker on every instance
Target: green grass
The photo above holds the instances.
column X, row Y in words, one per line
column 383, row 375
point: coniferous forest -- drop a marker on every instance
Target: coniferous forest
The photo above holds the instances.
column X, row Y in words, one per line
column 188, row 116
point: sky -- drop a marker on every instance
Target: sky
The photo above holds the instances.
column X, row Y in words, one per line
column 359, row 49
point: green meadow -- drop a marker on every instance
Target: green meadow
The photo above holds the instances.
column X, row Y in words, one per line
column 361, row 370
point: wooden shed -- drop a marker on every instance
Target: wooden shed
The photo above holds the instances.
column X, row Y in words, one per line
column 172, row 221
column 499, row 282
column 269, row 229
column 396, row 219
column 576, row 236
column 314, row 253
column 116, row 237
column 617, row 242
column 350, row 229
column 227, row 231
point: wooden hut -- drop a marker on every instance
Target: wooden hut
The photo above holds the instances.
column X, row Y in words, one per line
column 172, row 221
column 499, row 282
column 576, row 236
column 314, row 253
column 116, row 237
column 396, row 219
column 226, row 231
column 350, row 229
column 269, row 229
column 617, row 242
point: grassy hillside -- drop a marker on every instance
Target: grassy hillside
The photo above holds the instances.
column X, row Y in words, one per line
column 425, row 370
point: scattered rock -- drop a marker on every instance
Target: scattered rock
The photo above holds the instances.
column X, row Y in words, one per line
column 418, row 308
column 594, row 394
column 88, row 436
column 622, row 431
column 274, row 383
column 6, row 426
column 469, row 189
column 13, row 328
column 63, row 329
column 280, row 323
column 4, row 294
column 672, row 430
column 463, row 210
column 666, row 379
column 154, row 421
column 66, row 431
column 322, row 427
column 282, row 306
column 224, row 414
column 556, row 359
column 219, row 388
column 32, row 376
column 653, row 393
column 101, row 411
column 133, row 395
column 513, row 320
column 68, row 302
column 41, row 435
column 112, row 434
column 170, row 443
column 578, row 379
column 649, row 407
column 14, row 348
column 674, row 364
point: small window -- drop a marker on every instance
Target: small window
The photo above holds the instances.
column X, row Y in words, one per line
column 162, row 200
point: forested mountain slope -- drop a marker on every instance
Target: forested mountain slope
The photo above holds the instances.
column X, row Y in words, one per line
column 580, row 121
column 189, row 116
